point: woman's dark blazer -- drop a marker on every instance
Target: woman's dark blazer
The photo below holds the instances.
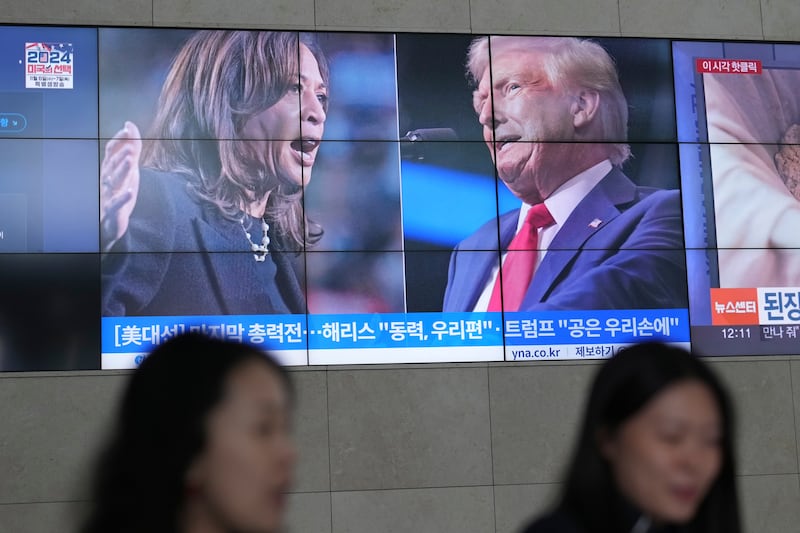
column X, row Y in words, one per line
column 182, row 257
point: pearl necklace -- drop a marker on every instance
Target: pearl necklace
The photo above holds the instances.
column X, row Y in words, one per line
column 260, row 251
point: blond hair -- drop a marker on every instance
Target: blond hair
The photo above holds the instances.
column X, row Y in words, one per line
column 569, row 64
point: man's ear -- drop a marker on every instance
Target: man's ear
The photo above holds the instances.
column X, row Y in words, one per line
column 584, row 107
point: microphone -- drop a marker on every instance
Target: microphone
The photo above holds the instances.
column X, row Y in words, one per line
column 412, row 143
column 430, row 134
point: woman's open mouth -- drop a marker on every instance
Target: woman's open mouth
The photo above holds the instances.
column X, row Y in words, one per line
column 306, row 148
column 305, row 145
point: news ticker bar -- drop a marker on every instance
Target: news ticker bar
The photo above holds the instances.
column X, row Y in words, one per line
column 411, row 337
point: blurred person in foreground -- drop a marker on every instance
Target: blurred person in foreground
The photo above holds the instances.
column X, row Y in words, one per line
column 655, row 451
column 555, row 121
column 201, row 444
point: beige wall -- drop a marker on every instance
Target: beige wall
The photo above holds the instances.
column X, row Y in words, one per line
column 422, row 448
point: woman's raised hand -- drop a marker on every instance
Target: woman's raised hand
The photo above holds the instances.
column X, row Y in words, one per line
column 119, row 183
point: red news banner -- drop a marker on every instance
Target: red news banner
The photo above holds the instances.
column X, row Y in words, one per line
column 728, row 66
column 755, row 306
column 734, row 307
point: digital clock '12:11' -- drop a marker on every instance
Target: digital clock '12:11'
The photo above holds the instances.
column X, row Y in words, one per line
column 735, row 333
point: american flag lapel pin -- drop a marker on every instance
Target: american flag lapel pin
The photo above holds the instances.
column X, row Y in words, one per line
column 595, row 223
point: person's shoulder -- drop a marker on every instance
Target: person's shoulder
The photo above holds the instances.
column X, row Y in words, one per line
column 657, row 203
column 639, row 201
column 165, row 197
column 168, row 186
column 163, row 213
column 658, row 195
column 554, row 522
column 623, row 191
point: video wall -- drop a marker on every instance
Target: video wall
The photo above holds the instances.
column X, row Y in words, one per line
column 358, row 198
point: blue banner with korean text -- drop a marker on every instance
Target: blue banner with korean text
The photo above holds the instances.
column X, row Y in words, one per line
column 405, row 338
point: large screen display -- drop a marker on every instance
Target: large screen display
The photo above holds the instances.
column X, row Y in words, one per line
column 348, row 198
column 739, row 127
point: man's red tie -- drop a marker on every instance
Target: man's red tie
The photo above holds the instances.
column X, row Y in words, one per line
column 520, row 262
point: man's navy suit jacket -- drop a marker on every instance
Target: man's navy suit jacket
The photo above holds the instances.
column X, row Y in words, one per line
column 632, row 259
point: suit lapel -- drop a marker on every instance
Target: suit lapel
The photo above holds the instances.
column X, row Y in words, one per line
column 508, row 227
column 479, row 264
column 288, row 284
column 599, row 205
column 228, row 262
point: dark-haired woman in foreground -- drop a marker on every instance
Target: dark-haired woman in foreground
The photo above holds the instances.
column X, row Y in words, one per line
column 201, row 444
column 655, row 451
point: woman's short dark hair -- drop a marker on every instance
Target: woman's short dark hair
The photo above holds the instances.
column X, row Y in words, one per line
column 160, row 430
column 623, row 386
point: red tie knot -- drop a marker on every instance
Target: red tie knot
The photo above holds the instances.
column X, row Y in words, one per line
column 539, row 216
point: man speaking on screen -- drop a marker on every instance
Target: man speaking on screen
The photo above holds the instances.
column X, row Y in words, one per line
column 586, row 237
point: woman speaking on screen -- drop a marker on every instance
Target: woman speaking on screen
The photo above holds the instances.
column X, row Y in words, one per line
column 206, row 215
